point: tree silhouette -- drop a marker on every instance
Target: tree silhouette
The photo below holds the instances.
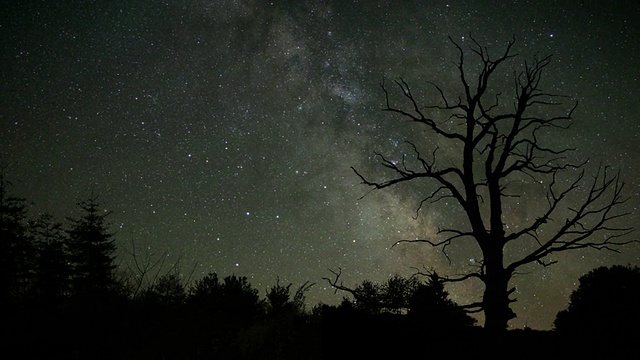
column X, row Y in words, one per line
column 503, row 146
column 52, row 271
column 92, row 250
column 426, row 302
column 279, row 301
column 16, row 247
column 230, row 303
column 285, row 331
column 430, row 304
column 605, row 302
column 167, row 290
column 371, row 298
column 220, row 309
column 397, row 292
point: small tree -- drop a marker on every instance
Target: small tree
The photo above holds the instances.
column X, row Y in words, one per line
column 427, row 302
column 398, row 291
column 285, row 332
column 17, row 250
column 497, row 147
column 220, row 310
column 430, row 305
column 279, row 301
column 92, row 249
column 232, row 299
column 605, row 302
column 52, row 272
column 167, row 290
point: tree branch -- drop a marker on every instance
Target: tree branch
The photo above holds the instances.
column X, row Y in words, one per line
column 419, row 115
column 588, row 220
column 335, row 285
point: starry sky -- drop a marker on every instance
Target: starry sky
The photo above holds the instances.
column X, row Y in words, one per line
column 221, row 133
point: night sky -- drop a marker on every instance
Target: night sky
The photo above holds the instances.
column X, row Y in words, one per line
column 221, row 133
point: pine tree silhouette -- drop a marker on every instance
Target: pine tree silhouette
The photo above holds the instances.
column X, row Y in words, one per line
column 16, row 248
column 92, row 250
column 52, row 269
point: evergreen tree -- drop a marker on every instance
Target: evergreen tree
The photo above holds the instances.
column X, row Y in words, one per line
column 431, row 306
column 52, row 270
column 92, row 249
column 16, row 247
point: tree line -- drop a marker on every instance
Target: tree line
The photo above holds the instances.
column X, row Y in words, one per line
column 62, row 296
column 44, row 261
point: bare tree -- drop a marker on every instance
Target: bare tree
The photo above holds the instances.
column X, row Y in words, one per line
column 145, row 269
column 501, row 145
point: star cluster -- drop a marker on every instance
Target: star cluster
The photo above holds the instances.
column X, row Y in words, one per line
column 221, row 133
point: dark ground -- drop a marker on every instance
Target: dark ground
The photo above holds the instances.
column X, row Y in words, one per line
column 129, row 336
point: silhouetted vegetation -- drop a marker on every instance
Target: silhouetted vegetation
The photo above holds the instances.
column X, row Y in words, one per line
column 426, row 304
column 605, row 302
column 62, row 298
column 497, row 138
column 91, row 253
column 16, row 248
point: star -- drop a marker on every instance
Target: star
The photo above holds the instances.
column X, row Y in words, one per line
column 224, row 134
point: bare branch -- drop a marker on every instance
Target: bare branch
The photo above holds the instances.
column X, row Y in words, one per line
column 335, row 285
column 406, row 175
column 593, row 217
column 497, row 143
column 455, row 234
column 443, row 243
column 418, row 116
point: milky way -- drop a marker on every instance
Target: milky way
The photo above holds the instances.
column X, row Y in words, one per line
column 222, row 133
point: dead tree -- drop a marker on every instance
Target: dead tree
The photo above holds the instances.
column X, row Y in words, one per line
column 500, row 145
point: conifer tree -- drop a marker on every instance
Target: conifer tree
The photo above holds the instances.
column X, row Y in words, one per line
column 52, row 270
column 92, row 249
column 16, row 248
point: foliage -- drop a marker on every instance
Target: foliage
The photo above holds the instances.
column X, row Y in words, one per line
column 45, row 314
column 397, row 293
column 52, row 270
column 233, row 297
column 430, row 304
column 92, row 250
column 424, row 302
column 606, row 301
column 285, row 332
column 16, row 247
column 279, row 302
column 167, row 290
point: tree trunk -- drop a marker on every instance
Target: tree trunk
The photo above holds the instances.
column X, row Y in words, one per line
column 496, row 294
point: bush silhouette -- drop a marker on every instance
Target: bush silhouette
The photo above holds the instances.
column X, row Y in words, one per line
column 605, row 302
column 231, row 298
column 167, row 290
column 430, row 304
column 426, row 304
